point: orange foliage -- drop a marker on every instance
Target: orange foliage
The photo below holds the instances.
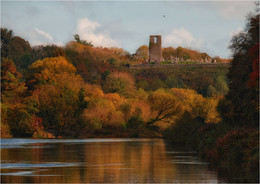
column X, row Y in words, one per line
column 101, row 112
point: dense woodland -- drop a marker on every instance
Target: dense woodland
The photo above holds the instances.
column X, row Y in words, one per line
column 233, row 144
column 84, row 91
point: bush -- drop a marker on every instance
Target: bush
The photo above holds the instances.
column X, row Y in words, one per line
column 237, row 150
column 238, row 147
column 209, row 134
column 135, row 122
column 185, row 131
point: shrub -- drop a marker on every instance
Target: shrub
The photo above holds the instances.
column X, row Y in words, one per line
column 185, row 131
column 135, row 122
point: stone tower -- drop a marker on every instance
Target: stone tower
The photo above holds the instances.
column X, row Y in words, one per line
column 155, row 49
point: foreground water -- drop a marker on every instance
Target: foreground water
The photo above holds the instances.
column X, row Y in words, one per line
column 100, row 160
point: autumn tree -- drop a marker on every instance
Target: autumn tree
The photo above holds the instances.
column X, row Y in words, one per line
column 47, row 71
column 12, row 85
column 142, row 53
column 242, row 100
column 119, row 82
column 59, row 94
column 168, row 53
column 17, row 112
column 163, row 105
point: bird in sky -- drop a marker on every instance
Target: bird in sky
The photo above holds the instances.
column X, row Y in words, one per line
column 164, row 16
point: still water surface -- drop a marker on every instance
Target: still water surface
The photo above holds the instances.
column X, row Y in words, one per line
column 100, row 161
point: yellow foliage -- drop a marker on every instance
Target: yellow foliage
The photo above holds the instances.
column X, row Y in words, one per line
column 115, row 99
column 93, row 91
column 104, row 111
column 54, row 65
column 141, row 94
column 212, row 114
column 164, row 105
column 191, row 100
column 74, row 82
column 144, row 106
column 55, row 70
column 197, row 105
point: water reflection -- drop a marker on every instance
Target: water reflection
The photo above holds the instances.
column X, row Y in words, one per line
column 99, row 161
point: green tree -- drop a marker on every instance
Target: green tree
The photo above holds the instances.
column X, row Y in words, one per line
column 211, row 91
column 119, row 82
column 41, row 52
column 83, row 42
column 15, row 48
column 184, row 131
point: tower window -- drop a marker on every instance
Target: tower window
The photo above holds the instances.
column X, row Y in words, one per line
column 155, row 39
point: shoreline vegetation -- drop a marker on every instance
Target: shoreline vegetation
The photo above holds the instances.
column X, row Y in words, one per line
column 82, row 91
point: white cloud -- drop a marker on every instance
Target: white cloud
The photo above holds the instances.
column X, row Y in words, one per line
column 232, row 33
column 181, row 37
column 38, row 37
column 46, row 35
column 38, row 42
column 88, row 30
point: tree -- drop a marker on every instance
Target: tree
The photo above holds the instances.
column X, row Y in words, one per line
column 12, row 85
column 59, row 94
column 163, row 105
column 142, row 53
column 41, row 52
column 83, row 42
column 47, row 71
column 119, row 82
column 243, row 96
column 191, row 100
column 15, row 48
column 168, row 53
column 6, row 38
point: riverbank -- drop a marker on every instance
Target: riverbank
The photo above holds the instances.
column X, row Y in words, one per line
column 145, row 132
column 233, row 150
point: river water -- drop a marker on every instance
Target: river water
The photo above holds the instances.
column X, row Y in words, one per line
column 100, row 161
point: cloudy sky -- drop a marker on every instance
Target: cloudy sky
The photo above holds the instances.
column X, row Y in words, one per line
column 206, row 26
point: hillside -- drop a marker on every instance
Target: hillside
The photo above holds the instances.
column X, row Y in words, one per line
column 206, row 79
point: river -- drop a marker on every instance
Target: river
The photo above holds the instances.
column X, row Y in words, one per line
column 100, row 161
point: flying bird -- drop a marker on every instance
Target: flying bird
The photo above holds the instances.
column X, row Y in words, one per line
column 164, row 16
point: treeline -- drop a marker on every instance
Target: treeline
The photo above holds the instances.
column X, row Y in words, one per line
column 232, row 144
column 54, row 101
column 84, row 91
column 178, row 55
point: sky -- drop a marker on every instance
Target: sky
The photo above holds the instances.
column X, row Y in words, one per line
column 206, row 26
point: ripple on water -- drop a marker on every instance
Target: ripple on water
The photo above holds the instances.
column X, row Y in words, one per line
column 25, row 173
column 41, row 165
column 22, row 143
